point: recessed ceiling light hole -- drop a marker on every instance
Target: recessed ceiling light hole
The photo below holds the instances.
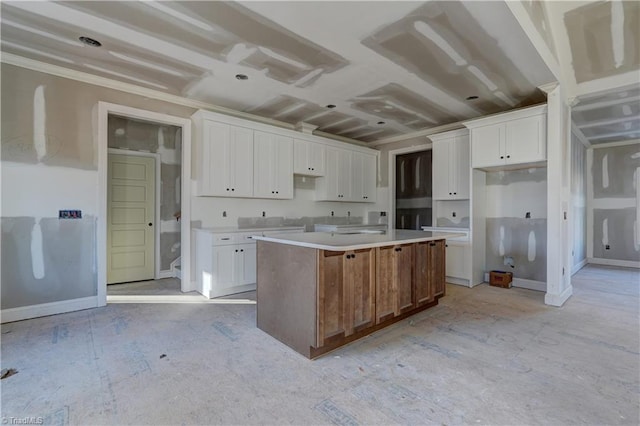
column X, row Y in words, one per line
column 90, row 41
column 242, row 77
column 472, row 98
column 380, row 122
column 331, row 106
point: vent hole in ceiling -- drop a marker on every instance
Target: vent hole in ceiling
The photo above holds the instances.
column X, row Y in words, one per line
column 90, row 41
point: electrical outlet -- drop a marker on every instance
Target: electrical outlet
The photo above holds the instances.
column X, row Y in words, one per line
column 453, row 214
column 348, row 214
column 224, row 214
column 264, row 214
column 383, row 214
column 607, row 247
column 331, row 213
column 527, row 215
column 69, row 214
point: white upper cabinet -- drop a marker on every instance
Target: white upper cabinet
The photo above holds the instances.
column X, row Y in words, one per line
column 308, row 158
column 225, row 160
column 513, row 138
column 350, row 176
column 234, row 157
column 451, row 165
column 364, row 176
column 336, row 184
column 273, row 166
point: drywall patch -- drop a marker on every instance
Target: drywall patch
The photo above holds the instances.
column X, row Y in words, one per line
column 615, row 232
column 595, row 52
column 613, row 170
column 442, row 43
column 68, row 259
column 397, row 103
column 39, row 123
column 514, row 176
column 512, row 237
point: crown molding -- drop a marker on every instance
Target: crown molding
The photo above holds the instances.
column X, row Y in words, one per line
column 419, row 134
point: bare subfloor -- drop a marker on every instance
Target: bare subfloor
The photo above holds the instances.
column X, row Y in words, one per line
column 483, row 356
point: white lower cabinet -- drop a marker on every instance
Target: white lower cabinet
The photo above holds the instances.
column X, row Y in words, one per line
column 457, row 262
column 225, row 262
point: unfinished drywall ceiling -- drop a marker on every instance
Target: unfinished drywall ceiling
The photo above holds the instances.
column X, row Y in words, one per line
column 390, row 68
column 604, row 39
column 611, row 117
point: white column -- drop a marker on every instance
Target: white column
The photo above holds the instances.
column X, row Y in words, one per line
column 559, row 287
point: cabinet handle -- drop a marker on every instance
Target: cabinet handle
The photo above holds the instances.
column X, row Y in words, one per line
column 455, row 193
column 277, row 192
column 508, row 156
column 446, row 245
column 233, row 189
column 227, row 189
column 242, row 250
column 236, row 250
column 502, row 157
column 432, row 244
column 348, row 256
column 398, row 249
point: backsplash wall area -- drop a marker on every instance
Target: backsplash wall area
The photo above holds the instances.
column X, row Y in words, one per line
column 517, row 223
column 302, row 209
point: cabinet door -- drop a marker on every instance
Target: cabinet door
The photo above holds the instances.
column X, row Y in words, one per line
column 385, row 293
column 331, row 297
column 283, row 167
column 224, row 268
column 456, row 261
column 245, row 264
column 369, row 177
column 441, row 168
column 345, row 175
column 364, row 176
column 214, row 163
column 330, row 183
column 437, row 265
column 459, row 160
column 316, row 158
column 240, row 163
column 273, row 166
column 360, row 289
column 526, row 140
column 487, row 146
column 423, row 276
column 403, row 265
column 300, row 157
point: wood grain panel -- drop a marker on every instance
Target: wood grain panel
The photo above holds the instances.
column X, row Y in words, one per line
column 331, row 296
column 403, row 280
column 385, row 291
column 424, row 279
column 361, row 282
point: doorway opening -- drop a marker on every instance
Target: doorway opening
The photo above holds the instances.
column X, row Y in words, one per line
column 144, row 225
column 413, row 190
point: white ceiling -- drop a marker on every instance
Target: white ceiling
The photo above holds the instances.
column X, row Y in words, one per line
column 391, row 68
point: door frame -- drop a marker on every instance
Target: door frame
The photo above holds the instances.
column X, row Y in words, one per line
column 102, row 111
column 156, row 203
column 392, row 176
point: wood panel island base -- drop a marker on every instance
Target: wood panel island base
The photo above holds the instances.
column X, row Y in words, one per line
column 318, row 291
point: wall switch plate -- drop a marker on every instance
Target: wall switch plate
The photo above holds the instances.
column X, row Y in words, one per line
column 69, row 214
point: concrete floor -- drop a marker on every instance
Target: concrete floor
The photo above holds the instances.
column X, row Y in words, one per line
column 483, row 356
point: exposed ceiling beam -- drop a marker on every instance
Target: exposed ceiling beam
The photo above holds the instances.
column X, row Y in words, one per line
column 614, row 134
column 608, row 122
column 523, row 18
column 607, row 84
column 605, row 104
column 581, row 137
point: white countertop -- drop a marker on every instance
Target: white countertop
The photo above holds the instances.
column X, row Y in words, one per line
column 342, row 242
column 225, row 229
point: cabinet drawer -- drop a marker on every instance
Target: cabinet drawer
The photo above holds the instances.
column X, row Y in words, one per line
column 224, row 239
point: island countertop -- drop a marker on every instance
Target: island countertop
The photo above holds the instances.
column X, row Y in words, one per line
column 336, row 241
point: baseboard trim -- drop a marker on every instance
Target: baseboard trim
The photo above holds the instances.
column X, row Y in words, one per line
column 613, row 262
column 578, row 266
column 457, row 281
column 558, row 299
column 45, row 309
column 165, row 274
column 524, row 283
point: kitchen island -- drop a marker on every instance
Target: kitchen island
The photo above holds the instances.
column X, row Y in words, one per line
column 317, row 291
